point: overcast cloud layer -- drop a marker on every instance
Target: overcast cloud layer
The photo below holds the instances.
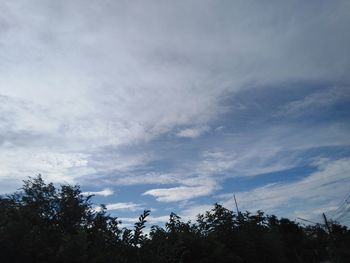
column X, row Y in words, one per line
column 175, row 105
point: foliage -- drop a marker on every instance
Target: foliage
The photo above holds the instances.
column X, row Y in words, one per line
column 42, row 223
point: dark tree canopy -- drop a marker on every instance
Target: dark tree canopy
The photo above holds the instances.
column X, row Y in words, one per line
column 42, row 223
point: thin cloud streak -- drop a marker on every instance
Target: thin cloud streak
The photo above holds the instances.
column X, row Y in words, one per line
column 179, row 193
column 124, row 206
column 104, row 192
column 316, row 191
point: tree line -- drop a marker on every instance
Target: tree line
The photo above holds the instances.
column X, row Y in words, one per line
column 44, row 223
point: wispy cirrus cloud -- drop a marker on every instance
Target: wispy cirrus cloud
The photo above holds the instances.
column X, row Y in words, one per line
column 190, row 187
column 315, row 101
column 104, row 192
column 124, row 206
column 180, row 193
column 319, row 191
column 109, row 100
column 54, row 166
column 148, row 178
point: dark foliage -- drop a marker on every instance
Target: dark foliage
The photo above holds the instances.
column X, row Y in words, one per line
column 44, row 224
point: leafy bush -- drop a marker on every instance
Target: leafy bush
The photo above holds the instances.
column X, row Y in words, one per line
column 44, row 224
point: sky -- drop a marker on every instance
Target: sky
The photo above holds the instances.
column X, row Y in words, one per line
column 177, row 105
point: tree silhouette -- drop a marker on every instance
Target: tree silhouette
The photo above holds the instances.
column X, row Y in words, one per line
column 42, row 223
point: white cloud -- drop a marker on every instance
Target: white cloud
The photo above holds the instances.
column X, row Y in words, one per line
column 158, row 219
column 124, row 206
column 107, row 83
column 244, row 162
column 269, row 149
column 75, row 91
column 182, row 193
column 54, row 166
column 191, row 212
column 148, row 178
column 104, row 192
column 192, row 132
column 319, row 191
column 120, row 162
column 315, row 101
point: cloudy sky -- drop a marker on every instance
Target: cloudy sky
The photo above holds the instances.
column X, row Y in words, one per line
column 176, row 105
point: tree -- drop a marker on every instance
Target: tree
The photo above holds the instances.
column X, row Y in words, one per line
column 44, row 223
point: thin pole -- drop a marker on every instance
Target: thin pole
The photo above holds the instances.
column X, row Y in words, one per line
column 332, row 251
column 326, row 223
column 236, row 204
